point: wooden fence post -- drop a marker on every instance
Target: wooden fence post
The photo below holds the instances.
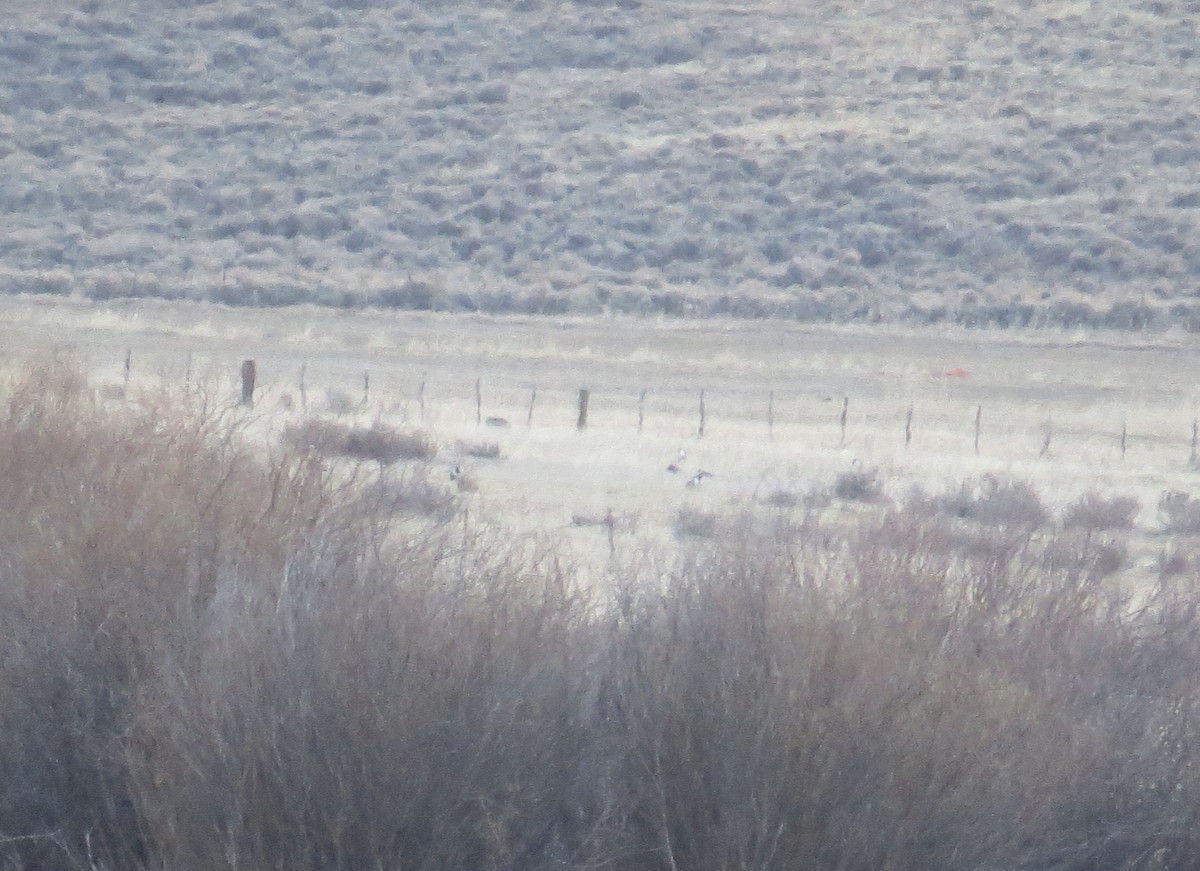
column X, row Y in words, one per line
column 700, row 432
column 1124, row 427
column 641, row 410
column 908, row 427
column 845, row 413
column 584, row 396
column 366, row 386
column 128, row 367
column 421, row 396
column 249, row 373
column 187, row 373
column 479, row 402
column 978, row 418
column 771, row 415
column 1049, row 434
column 532, row 400
column 1195, row 432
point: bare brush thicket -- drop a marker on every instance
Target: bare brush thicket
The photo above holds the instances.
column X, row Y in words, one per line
column 216, row 656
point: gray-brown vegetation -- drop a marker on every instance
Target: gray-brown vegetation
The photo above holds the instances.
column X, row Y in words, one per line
column 220, row 656
column 379, row 442
column 983, row 162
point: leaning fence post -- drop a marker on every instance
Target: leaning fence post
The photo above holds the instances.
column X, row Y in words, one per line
column 421, row 396
column 845, row 413
column 248, row 376
column 700, row 432
column 532, row 400
column 1124, row 429
column 584, row 396
column 908, row 427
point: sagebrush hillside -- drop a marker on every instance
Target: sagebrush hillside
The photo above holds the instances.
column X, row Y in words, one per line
column 1000, row 162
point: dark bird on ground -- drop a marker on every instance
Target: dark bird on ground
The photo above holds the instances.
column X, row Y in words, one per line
column 699, row 477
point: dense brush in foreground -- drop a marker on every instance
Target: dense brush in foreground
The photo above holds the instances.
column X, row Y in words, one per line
column 218, row 657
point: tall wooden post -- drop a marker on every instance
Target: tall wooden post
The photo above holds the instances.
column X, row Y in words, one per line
column 1049, row 434
column 908, row 427
column 641, row 410
column 584, row 396
column 978, row 419
column 845, row 414
column 249, row 374
column 700, row 431
column 478, row 401
column 532, row 400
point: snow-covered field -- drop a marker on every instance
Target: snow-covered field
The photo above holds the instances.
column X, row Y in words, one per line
column 1078, row 389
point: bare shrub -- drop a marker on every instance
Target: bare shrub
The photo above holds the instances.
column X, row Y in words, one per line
column 1090, row 555
column 413, row 493
column 626, row 522
column 861, row 485
column 216, row 656
column 781, row 498
column 886, row 675
column 340, row 402
column 995, row 501
column 1179, row 513
column 689, row 522
column 480, row 450
column 190, row 629
column 386, row 444
column 1095, row 512
column 379, row 442
column 580, row 518
column 1173, row 561
column 120, row 523
column 1109, row 557
column 817, row 498
column 415, row 695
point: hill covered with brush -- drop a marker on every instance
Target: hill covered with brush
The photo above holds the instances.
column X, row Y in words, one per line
column 985, row 162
